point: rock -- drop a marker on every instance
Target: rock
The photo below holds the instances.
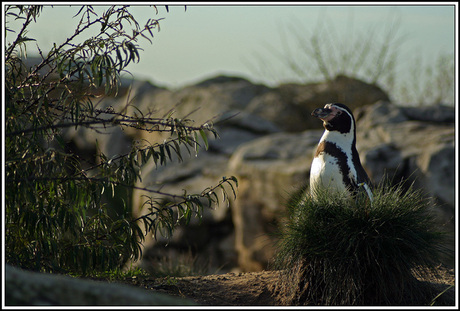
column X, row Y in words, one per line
column 289, row 106
column 386, row 136
column 437, row 170
column 25, row 288
column 353, row 92
column 438, row 114
column 268, row 170
column 414, row 144
column 205, row 101
column 385, row 161
column 381, row 112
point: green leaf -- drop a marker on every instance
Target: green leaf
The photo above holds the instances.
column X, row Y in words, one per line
column 177, row 150
column 25, row 39
column 205, row 138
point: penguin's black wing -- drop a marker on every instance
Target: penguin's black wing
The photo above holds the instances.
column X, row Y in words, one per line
column 361, row 173
column 362, row 179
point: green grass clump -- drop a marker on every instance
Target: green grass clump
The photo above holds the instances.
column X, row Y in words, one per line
column 335, row 250
column 116, row 274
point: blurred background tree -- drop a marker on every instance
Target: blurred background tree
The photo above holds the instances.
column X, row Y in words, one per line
column 372, row 55
column 56, row 216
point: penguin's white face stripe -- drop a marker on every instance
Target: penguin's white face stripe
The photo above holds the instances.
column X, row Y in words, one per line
column 335, row 109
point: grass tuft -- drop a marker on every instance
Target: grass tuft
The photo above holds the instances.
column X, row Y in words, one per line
column 340, row 251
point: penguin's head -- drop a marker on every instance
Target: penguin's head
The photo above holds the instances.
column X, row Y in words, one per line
column 336, row 117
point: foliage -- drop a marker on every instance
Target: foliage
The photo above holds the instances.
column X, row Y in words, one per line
column 56, row 216
column 337, row 251
column 118, row 274
column 325, row 52
column 372, row 55
column 437, row 87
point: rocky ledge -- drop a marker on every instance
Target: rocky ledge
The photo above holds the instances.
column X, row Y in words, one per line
column 267, row 141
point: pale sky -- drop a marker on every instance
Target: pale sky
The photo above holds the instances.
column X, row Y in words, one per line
column 206, row 40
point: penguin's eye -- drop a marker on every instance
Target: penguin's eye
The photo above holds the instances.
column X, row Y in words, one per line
column 338, row 113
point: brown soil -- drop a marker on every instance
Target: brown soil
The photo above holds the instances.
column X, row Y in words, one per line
column 253, row 288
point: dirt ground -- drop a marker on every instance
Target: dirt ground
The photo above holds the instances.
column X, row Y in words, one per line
column 252, row 288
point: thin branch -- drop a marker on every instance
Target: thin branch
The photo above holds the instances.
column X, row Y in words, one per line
column 21, row 32
column 128, row 121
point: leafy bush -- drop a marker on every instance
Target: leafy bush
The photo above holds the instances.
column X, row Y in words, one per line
column 337, row 251
column 56, row 215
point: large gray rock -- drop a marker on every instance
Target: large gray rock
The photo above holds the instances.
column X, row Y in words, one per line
column 268, row 169
column 416, row 144
column 289, row 106
column 25, row 288
column 203, row 102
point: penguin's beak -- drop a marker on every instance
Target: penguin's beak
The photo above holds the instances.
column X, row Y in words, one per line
column 321, row 113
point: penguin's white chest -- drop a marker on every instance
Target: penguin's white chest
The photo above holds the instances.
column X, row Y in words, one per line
column 325, row 172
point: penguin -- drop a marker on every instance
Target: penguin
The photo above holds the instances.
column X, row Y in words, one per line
column 336, row 163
